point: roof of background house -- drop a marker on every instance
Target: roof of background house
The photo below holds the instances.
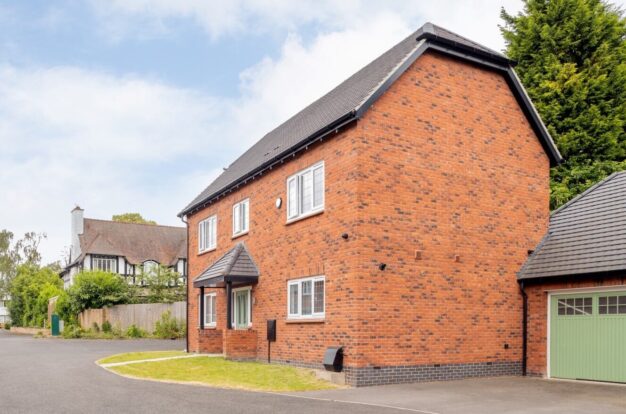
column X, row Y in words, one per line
column 348, row 101
column 137, row 242
column 235, row 263
column 586, row 236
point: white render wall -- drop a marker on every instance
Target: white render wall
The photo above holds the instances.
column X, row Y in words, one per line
column 4, row 311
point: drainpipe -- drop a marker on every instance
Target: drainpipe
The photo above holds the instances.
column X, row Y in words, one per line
column 183, row 219
column 524, row 327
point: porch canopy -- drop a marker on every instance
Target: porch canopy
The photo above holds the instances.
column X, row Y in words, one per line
column 234, row 268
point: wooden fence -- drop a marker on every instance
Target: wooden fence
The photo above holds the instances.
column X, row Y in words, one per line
column 144, row 315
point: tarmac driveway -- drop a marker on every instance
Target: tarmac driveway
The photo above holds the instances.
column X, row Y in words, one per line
column 59, row 376
column 492, row 395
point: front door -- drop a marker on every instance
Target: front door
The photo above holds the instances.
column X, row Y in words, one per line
column 242, row 309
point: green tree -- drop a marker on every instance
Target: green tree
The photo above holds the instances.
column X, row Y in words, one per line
column 15, row 254
column 30, row 291
column 163, row 284
column 571, row 58
column 132, row 218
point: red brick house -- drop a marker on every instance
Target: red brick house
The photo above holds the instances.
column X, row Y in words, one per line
column 575, row 288
column 390, row 217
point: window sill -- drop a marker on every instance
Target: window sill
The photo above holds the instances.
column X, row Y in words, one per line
column 235, row 236
column 304, row 216
column 210, row 327
column 304, row 320
column 207, row 251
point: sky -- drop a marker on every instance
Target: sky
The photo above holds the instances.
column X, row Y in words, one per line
column 136, row 105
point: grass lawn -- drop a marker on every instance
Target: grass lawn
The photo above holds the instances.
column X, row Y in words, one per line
column 218, row 372
column 138, row 356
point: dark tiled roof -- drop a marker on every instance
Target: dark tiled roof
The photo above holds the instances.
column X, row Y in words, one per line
column 347, row 102
column 430, row 30
column 586, row 235
column 236, row 262
column 136, row 242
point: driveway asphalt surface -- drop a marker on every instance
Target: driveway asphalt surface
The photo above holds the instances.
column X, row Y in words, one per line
column 60, row 376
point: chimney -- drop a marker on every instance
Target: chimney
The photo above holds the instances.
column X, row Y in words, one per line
column 77, row 229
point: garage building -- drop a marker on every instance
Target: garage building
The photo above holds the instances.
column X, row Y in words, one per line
column 574, row 285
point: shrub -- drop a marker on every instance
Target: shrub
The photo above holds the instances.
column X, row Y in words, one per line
column 106, row 326
column 95, row 327
column 7, row 325
column 72, row 332
column 168, row 327
column 95, row 289
column 64, row 310
column 134, row 331
column 116, row 331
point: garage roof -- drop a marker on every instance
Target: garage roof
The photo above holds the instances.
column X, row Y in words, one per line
column 586, row 236
column 348, row 101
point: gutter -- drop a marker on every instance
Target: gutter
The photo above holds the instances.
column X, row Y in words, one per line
column 183, row 219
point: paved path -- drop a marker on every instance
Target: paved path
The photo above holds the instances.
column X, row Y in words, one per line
column 60, row 376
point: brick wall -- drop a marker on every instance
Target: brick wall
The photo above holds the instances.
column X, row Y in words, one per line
column 454, row 190
column 240, row 344
column 209, row 341
column 444, row 181
column 538, row 316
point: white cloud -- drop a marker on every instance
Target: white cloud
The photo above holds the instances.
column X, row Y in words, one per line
column 75, row 136
column 477, row 19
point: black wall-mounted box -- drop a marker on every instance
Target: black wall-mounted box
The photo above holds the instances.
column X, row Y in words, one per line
column 271, row 330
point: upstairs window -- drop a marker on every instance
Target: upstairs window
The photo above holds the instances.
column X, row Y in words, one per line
column 241, row 217
column 150, row 266
column 207, row 234
column 106, row 264
column 305, row 192
column 306, row 297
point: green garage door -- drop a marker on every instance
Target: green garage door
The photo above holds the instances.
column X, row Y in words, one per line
column 588, row 336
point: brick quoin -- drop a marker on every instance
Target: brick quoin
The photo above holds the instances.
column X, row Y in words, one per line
column 444, row 181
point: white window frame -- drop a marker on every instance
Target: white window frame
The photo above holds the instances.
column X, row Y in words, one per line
column 244, row 220
column 207, row 242
column 298, row 282
column 208, row 310
column 233, row 320
column 148, row 265
column 297, row 178
column 95, row 260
